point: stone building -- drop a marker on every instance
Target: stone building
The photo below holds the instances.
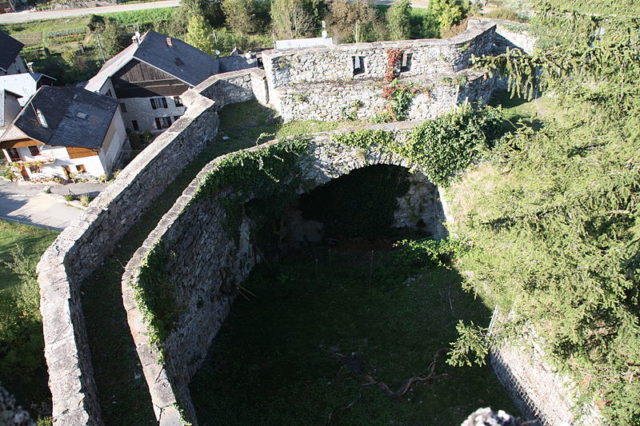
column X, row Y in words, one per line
column 10, row 60
column 63, row 131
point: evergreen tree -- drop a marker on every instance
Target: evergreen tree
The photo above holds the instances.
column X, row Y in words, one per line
column 399, row 20
column 199, row 34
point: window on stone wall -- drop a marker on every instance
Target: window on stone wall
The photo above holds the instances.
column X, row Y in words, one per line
column 358, row 64
column 134, row 124
column 158, row 103
column 405, row 64
column 154, row 105
column 123, row 107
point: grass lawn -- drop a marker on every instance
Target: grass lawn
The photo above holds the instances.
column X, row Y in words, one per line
column 22, row 366
column 273, row 361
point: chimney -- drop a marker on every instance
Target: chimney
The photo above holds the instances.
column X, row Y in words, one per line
column 41, row 119
column 169, row 42
column 30, row 66
column 136, row 37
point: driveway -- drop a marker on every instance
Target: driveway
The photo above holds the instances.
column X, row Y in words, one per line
column 27, row 15
column 27, row 203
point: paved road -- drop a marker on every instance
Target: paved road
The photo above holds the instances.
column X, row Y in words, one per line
column 26, row 16
column 27, row 203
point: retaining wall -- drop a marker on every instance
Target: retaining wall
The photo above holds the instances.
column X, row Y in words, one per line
column 82, row 246
column 205, row 263
column 539, row 390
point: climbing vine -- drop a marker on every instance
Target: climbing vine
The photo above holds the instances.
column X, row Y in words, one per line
column 442, row 147
column 398, row 93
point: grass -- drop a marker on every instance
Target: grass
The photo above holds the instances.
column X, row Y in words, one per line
column 22, row 366
column 273, row 363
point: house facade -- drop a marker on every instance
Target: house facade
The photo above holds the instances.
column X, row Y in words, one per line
column 148, row 77
column 63, row 132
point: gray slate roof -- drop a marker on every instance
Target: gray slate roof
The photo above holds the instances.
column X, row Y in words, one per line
column 9, row 49
column 181, row 60
column 75, row 117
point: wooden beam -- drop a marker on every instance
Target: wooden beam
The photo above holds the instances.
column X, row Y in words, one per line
column 19, row 143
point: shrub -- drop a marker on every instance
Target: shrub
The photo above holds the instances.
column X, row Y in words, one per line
column 399, row 20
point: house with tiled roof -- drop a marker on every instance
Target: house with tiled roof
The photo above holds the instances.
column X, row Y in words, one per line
column 148, row 77
column 65, row 131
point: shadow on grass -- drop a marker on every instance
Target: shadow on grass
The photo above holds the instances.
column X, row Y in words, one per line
column 273, row 361
column 516, row 109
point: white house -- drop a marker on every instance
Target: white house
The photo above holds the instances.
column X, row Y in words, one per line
column 63, row 131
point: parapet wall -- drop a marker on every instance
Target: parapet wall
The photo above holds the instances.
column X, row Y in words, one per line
column 82, row 246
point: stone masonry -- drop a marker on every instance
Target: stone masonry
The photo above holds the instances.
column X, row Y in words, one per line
column 441, row 66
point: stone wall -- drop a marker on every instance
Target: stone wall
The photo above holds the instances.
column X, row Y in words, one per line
column 320, row 83
column 206, row 263
column 540, row 391
column 82, row 246
column 233, row 87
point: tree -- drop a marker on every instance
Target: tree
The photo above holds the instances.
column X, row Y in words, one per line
column 109, row 37
column 351, row 21
column 447, row 12
column 399, row 20
column 199, row 34
column 240, row 15
column 290, row 19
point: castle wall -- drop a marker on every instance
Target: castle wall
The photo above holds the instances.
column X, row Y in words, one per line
column 347, row 81
column 82, row 246
column 205, row 263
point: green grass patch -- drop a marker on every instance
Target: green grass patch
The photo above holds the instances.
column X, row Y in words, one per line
column 274, row 359
column 22, row 366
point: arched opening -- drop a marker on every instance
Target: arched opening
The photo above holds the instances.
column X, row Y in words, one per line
column 342, row 311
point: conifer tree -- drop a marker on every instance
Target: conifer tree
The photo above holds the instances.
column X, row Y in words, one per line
column 199, row 34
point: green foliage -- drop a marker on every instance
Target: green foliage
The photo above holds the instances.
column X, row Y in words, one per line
column 443, row 147
column 291, row 19
column 155, row 296
column 355, row 21
column 241, row 15
column 428, row 251
column 22, row 364
column 399, row 20
column 448, row 12
column 268, row 173
column 200, row 34
column 559, row 233
column 471, row 346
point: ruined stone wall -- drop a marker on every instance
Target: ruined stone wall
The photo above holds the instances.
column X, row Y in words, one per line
column 321, row 83
column 234, row 87
column 205, row 263
column 539, row 390
column 82, row 246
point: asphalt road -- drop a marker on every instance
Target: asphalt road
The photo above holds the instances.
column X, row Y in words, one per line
column 27, row 203
column 26, row 16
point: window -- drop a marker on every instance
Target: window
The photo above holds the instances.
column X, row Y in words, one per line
column 123, row 107
column 358, row 64
column 34, row 150
column 13, row 154
column 134, row 124
column 405, row 64
column 81, row 168
column 158, row 103
column 163, row 122
column 178, row 101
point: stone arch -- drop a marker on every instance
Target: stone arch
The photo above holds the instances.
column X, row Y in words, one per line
column 205, row 263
